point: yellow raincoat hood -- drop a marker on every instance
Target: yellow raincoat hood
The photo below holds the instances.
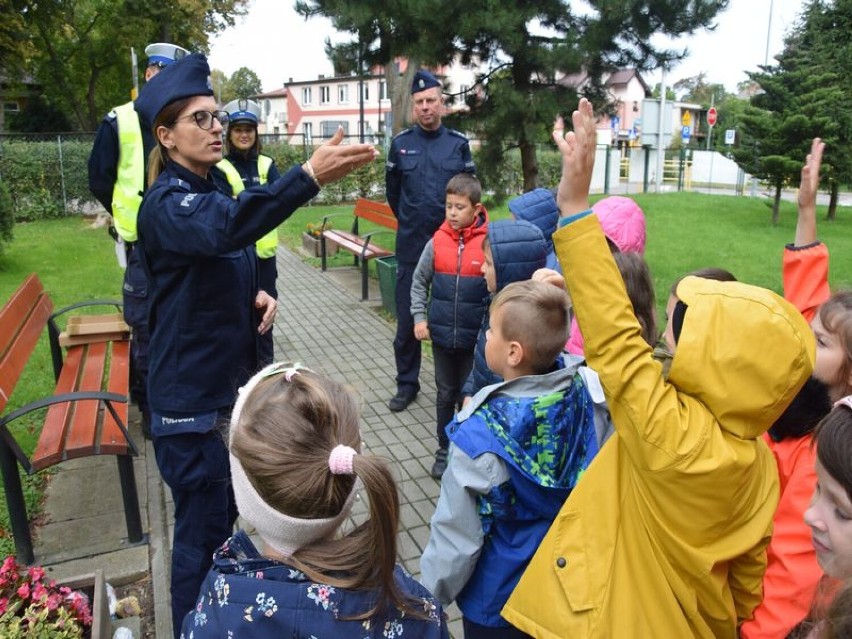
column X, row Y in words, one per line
column 724, row 320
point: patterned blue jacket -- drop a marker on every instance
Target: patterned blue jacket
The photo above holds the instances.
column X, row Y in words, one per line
column 517, row 451
column 248, row 596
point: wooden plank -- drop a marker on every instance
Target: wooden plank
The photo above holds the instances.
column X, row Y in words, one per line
column 16, row 311
column 21, row 345
column 354, row 244
column 93, row 324
column 49, row 448
column 112, row 440
column 66, row 340
column 376, row 212
column 81, row 438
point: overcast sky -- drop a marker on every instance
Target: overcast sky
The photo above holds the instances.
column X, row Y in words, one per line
column 277, row 44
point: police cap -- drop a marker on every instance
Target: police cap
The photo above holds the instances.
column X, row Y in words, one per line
column 186, row 78
column 423, row 80
column 243, row 111
column 162, row 54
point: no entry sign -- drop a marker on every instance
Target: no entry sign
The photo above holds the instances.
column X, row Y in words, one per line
column 711, row 116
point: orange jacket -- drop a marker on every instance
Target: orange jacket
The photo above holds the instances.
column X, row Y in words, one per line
column 792, row 571
column 805, row 274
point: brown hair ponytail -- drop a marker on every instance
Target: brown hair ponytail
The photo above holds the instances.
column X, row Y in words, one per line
column 160, row 154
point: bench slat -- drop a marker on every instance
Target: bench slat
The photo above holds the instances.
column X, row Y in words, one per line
column 112, row 440
column 355, row 244
column 49, row 448
column 22, row 343
column 81, row 438
column 376, row 212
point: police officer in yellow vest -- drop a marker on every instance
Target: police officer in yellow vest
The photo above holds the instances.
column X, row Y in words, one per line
column 242, row 167
column 117, row 167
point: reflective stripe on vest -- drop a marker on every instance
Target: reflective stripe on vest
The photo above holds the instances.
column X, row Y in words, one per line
column 130, row 172
column 268, row 244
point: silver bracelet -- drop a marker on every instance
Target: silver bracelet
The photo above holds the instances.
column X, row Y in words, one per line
column 310, row 171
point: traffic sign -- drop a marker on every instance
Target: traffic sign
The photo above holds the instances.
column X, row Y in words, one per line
column 686, row 119
column 711, row 116
column 684, row 134
column 730, row 136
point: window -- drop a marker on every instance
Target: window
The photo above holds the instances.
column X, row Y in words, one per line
column 267, row 107
column 11, row 107
column 343, row 93
column 325, row 94
column 308, row 131
column 307, row 95
column 383, row 90
column 365, row 94
column 329, row 127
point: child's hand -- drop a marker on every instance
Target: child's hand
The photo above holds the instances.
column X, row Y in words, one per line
column 578, row 158
column 806, row 226
column 549, row 276
column 421, row 331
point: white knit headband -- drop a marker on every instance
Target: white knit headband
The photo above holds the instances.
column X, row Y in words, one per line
column 283, row 533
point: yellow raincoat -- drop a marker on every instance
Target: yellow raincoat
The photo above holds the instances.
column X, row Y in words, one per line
column 665, row 535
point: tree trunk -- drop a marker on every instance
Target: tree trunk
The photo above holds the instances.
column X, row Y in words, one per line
column 832, row 202
column 776, row 205
column 529, row 165
column 399, row 93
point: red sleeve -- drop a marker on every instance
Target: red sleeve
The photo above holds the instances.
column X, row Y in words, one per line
column 792, row 572
column 805, row 275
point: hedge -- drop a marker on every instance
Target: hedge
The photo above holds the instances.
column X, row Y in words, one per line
column 48, row 177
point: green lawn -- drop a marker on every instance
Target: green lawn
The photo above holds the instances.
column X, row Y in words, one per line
column 685, row 231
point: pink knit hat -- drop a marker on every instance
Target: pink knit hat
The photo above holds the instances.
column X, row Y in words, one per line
column 623, row 223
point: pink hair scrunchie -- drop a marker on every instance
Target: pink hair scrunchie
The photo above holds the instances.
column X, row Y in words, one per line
column 340, row 460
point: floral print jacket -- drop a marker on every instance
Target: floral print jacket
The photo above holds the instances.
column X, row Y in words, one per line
column 246, row 595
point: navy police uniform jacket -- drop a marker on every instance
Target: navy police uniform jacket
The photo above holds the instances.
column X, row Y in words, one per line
column 419, row 165
column 198, row 252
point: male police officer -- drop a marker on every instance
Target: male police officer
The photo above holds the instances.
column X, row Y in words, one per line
column 117, row 167
column 420, row 162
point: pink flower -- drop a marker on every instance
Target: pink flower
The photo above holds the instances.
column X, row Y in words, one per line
column 8, row 566
column 4, row 603
column 24, row 591
column 36, row 573
column 39, row 592
column 53, row 601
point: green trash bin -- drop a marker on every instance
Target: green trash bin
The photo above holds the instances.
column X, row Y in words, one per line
column 386, row 268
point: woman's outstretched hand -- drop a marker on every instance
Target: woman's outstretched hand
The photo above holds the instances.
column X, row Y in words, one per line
column 335, row 160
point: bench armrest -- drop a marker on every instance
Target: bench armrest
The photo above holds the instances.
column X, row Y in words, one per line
column 106, row 397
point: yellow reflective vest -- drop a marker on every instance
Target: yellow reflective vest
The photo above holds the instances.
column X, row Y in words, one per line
column 268, row 244
column 130, row 173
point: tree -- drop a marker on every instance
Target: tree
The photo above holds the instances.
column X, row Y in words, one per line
column 803, row 96
column 525, row 48
column 82, row 47
column 697, row 90
column 243, row 83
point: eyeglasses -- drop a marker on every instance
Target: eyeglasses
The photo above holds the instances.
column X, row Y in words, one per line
column 204, row 119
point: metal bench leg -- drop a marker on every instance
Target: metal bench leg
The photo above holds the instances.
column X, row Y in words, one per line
column 131, row 498
column 322, row 252
column 365, row 280
column 17, row 505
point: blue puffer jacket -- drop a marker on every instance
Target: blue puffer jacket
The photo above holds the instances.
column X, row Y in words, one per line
column 539, row 207
column 518, row 249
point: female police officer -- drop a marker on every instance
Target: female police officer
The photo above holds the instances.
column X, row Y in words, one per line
column 242, row 167
column 205, row 305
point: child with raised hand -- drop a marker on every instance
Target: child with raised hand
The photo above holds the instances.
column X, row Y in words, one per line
column 448, row 297
column 517, row 449
column 295, row 462
column 667, row 531
column 792, row 573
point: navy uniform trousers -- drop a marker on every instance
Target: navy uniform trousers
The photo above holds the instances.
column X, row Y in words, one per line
column 135, row 298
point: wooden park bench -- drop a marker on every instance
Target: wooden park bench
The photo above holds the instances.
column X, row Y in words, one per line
column 87, row 412
column 361, row 246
